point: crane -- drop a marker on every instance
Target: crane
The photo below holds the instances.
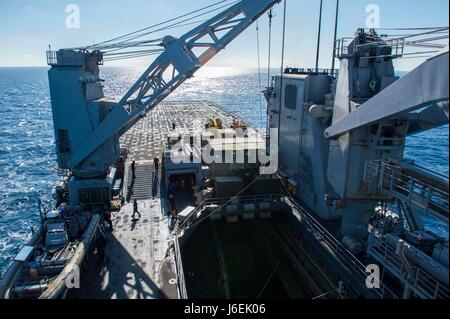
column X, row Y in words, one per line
column 88, row 125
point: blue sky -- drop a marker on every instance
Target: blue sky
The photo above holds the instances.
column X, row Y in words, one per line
column 27, row 27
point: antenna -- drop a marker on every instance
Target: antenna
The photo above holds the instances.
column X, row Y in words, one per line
column 318, row 37
column 335, row 37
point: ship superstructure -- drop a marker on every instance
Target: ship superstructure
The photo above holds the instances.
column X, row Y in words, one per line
column 349, row 137
column 342, row 201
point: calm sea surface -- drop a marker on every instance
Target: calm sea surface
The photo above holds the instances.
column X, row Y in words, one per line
column 27, row 157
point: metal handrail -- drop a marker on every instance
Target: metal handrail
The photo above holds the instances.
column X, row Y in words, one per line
column 423, row 283
column 51, row 57
column 193, row 216
column 339, row 251
column 343, row 45
column 243, row 199
column 180, row 272
column 190, row 218
column 390, row 180
column 347, row 259
column 320, row 71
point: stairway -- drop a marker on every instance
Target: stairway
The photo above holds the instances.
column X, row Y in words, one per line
column 146, row 185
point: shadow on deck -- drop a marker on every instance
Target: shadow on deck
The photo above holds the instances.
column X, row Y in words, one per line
column 119, row 277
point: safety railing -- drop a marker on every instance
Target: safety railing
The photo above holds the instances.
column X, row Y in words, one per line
column 52, row 58
column 319, row 232
column 62, row 58
column 384, row 177
column 313, row 71
column 180, row 271
column 342, row 47
column 397, row 46
column 295, row 236
column 422, row 283
column 194, row 217
column 337, row 250
column 345, row 49
column 243, row 199
column 72, row 57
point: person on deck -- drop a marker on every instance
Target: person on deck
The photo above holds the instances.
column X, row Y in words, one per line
column 100, row 243
column 156, row 164
column 107, row 216
column 136, row 210
column 173, row 188
column 173, row 205
column 133, row 169
column 108, row 219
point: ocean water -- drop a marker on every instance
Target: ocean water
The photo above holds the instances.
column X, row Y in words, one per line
column 27, row 157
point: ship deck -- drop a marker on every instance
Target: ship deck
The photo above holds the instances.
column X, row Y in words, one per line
column 138, row 265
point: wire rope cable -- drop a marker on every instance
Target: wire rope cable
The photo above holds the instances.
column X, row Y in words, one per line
column 159, row 24
column 259, row 77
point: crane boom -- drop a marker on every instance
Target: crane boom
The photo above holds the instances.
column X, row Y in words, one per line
column 181, row 58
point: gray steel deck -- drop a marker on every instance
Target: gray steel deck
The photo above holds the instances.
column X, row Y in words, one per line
column 137, row 266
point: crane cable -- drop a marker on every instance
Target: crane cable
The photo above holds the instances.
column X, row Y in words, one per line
column 218, row 209
column 174, row 24
column 325, row 294
column 273, row 272
column 158, row 24
column 125, row 55
column 256, row 179
column 125, row 44
column 270, row 48
column 269, row 57
column 410, row 29
column 114, row 51
column 282, row 63
column 259, row 77
column 425, row 38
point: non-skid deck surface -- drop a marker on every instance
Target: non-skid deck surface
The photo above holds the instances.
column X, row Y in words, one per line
column 137, row 266
column 147, row 138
